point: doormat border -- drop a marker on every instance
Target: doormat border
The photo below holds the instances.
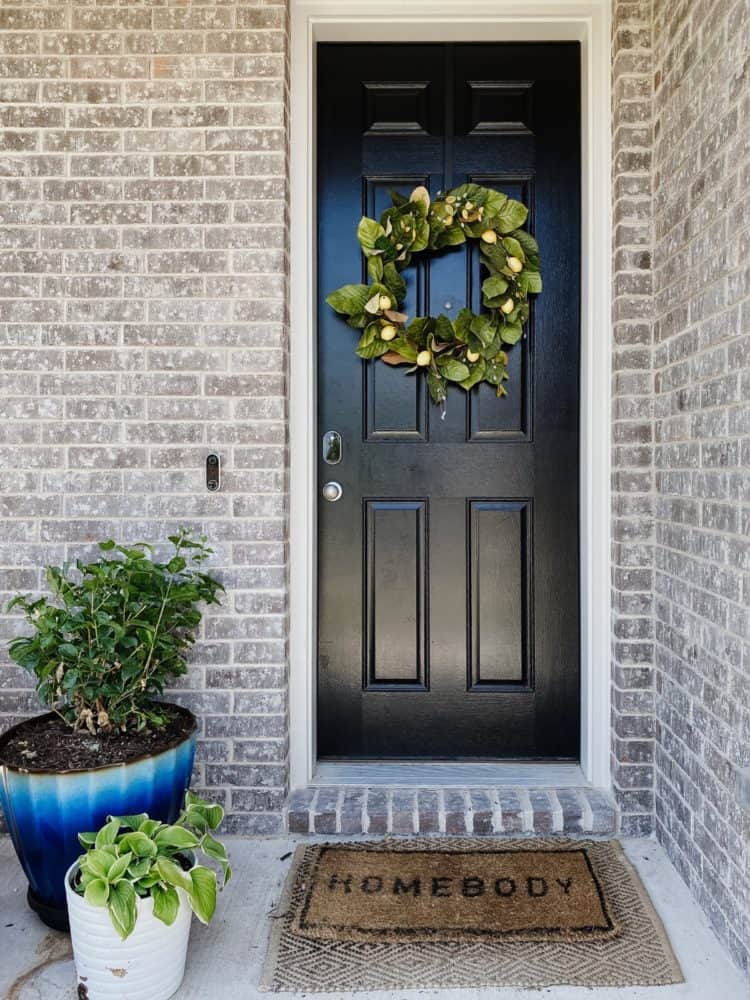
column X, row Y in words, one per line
column 610, row 929
column 446, row 974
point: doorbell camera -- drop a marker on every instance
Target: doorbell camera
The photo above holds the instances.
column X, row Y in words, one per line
column 213, row 472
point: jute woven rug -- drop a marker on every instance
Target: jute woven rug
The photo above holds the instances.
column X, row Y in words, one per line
column 422, row 913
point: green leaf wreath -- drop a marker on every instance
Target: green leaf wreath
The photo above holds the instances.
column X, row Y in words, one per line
column 471, row 348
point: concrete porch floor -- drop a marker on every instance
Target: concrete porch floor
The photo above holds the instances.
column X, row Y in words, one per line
column 225, row 958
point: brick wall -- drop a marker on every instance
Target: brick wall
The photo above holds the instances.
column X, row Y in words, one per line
column 142, row 310
column 632, row 420
column 702, row 450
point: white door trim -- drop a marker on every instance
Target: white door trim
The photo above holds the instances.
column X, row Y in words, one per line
column 436, row 20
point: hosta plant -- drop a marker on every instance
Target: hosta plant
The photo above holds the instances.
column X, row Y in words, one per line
column 135, row 856
column 115, row 631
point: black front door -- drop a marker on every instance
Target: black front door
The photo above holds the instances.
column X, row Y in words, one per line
column 448, row 622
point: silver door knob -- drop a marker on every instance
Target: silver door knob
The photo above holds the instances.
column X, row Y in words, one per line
column 332, row 492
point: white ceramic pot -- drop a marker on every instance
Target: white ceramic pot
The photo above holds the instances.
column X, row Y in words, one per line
column 147, row 965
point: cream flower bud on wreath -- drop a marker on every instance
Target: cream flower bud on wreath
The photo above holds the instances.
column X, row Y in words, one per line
column 465, row 349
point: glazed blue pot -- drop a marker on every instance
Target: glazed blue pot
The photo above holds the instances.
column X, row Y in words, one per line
column 46, row 811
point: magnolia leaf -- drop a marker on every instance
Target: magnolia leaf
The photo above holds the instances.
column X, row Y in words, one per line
column 462, row 323
column 511, row 333
column 405, row 351
column 514, row 248
column 512, row 215
column 530, row 248
column 166, row 903
column 122, row 906
column 437, row 387
column 374, row 349
column 533, row 281
column 444, row 329
column 202, row 894
column 368, row 231
column 451, row 237
column 375, row 268
column 494, row 372
column 483, row 328
column 422, row 238
column 372, row 305
column 392, row 358
column 493, row 286
column 349, row 299
column 452, row 369
column 394, row 282
column 97, row 892
column 476, row 374
column 420, row 196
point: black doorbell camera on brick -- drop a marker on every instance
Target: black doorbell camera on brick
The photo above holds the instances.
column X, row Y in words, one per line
column 213, row 472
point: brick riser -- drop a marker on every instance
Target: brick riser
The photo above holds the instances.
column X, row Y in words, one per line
column 350, row 810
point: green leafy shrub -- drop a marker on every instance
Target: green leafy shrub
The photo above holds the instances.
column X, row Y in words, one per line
column 134, row 856
column 115, row 632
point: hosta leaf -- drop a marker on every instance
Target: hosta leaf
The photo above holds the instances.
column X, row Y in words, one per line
column 349, row 299
column 119, row 866
column 122, row 907
column 166, row 904
column 97, row 892
column 108, row 833
column 176, row 836
column 203, row 893
column 173, row 874
column 97, row 862
column 141, row 845
column 218, row 852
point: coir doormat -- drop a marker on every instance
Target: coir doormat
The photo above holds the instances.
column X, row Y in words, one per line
column 465, row 913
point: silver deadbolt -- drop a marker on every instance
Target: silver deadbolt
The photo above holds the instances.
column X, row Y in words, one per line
column 332, row 492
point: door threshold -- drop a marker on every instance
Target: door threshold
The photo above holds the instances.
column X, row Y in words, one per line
column 408, row 774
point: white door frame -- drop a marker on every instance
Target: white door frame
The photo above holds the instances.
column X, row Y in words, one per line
column 313, row 21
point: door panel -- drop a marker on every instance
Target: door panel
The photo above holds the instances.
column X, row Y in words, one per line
column 448, row 571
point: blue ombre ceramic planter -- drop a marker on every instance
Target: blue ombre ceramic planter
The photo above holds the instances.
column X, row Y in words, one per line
column 46, row 810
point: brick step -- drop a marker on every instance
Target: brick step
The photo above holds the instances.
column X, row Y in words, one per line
column 350, row 810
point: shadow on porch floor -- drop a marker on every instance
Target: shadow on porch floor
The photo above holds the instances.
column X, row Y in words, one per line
column 226, row 958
